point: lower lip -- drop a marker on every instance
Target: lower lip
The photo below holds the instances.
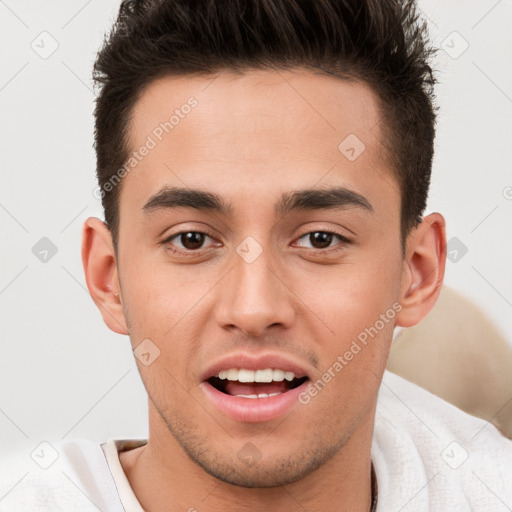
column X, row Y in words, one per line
column 254, row 410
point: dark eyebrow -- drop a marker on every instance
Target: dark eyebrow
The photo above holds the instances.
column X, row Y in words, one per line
column 310, row 199
column 321, row 199
column 173, row 197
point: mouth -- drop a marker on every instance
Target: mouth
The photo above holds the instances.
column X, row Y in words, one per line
column 252, row 396
column 257, row 384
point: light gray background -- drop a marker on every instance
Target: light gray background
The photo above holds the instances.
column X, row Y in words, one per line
column 63, row 373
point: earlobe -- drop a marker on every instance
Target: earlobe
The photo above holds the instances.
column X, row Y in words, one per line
column 101, row 275
column 423, row 274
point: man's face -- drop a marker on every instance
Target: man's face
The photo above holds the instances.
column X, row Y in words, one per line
column 271, row 278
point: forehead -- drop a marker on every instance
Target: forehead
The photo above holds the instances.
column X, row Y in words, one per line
column 253, row 133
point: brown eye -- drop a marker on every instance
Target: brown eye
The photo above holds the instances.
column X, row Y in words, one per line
column 323, row 240
column 320, row 239
column 192, row 240
column 186, row 242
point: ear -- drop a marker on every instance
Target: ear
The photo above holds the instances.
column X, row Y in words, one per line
column 423, row 273
column 101, row 274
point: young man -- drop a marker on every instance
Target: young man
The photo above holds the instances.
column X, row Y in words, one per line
column 264, row 167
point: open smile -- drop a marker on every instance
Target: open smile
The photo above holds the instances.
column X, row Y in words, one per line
column 254, row 395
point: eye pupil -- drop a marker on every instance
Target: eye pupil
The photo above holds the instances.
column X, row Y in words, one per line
column 192, row 240
column 320, row 238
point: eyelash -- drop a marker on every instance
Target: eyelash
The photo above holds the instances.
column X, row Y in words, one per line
column 343, row 241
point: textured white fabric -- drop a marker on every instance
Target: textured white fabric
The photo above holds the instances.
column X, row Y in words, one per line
column 126, row 494
column 431, row 456
column 428, row 456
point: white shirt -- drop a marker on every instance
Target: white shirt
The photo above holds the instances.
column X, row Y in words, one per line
column 429, row 456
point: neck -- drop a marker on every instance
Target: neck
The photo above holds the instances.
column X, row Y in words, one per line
column 162, row 474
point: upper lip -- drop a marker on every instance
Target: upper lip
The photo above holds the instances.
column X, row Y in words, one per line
column 256, row 362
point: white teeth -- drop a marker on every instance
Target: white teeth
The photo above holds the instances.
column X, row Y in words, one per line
column 245, row 375
column 232, row 374
column 263, row 375
column 289, row 375
column 266, row 375
column 278, row 375
column 261, row 395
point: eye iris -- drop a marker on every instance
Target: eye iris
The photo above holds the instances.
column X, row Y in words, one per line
column 192, row 240
column 320, row 239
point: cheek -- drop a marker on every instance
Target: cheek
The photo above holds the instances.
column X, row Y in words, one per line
column 158, row 296
column 357, row 306
column 350, row 297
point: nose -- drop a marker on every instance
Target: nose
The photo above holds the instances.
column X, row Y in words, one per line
column 254, row 296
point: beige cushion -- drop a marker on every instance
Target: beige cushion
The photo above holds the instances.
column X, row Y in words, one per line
column 456, row 353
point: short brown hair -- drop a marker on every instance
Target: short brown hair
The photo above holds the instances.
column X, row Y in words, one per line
column 380, row 42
